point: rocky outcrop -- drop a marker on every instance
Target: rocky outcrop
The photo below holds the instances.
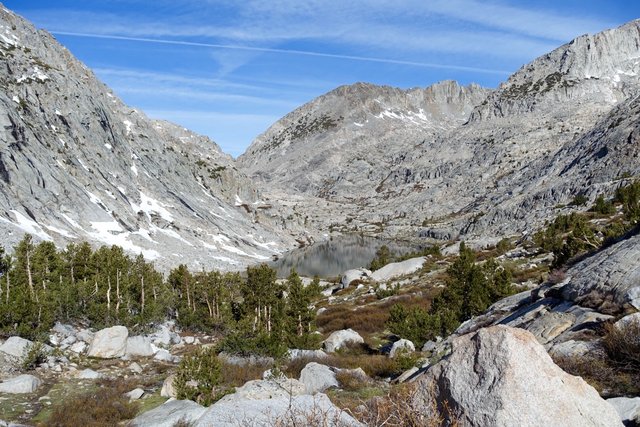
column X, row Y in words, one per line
column 397, row 269
column 501, row 376
column 109, row 343
column 339, row 339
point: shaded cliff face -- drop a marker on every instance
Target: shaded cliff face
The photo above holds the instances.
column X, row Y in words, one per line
column 77, row 164
column 450, row 161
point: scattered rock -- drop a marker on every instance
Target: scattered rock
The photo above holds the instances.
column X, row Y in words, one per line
column 429, row 346
column 355, row 274
column 339, row 339
column 16, row 347
column 85, row 335
column 89, row 374
column 135, row 394
column 79, row 347
column 500, row 374
column 294, row 354
column 317, row 378
column 109, row 343
column 136, row 368
column 189, row 340
column 168, row 390
column 20, row 384
column 164, row 356
column 402, row 346
column 139, row 346
column 168, row 414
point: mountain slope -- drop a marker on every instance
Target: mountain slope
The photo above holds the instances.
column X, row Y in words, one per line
column 495, row 162
column 78, row 164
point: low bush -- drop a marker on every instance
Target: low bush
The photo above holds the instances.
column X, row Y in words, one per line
column 622, row 344
column 105, row 407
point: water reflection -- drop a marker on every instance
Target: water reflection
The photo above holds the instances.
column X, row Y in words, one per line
column 333, row 257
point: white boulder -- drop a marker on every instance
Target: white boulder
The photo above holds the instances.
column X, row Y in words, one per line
column 355, row 274
column 135, row 394
column 88, row 374
column 16, row 347
column 501, row 376
column 168, row 390
column 401, row 346
column 109, row 343
column 339, row 339
column 139, row 346
column 628, row 408
column 20, row 384
column 317, row 378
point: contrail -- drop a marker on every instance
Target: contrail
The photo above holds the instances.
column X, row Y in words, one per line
column 285, row 51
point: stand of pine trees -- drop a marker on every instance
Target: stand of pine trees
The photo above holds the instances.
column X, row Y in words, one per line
column 40, row 285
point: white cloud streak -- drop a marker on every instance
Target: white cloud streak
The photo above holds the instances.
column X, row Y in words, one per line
column 285, row 51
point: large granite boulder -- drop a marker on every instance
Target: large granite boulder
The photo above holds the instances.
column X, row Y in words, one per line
column 317, row 378
column 628, row 408
column 168, row 414
column 355, row 274
column 109, row 343
column 20, row 384
column 339, row 339
column 501, row 376
column 16, row 347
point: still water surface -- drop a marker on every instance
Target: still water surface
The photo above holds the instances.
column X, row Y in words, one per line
column 333, row 257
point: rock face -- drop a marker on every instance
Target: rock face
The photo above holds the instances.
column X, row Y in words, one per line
column 20, row 384
column 78, row 164
column 339, row 339
column 317, row 378
column 501, row 376
column 609, row 281
column 109, row 343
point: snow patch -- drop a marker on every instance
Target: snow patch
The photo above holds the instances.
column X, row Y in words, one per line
column 418, row 118
column 170, row 233
column 16, row 99
column 79, row 161
column 72, row 222
column 150, row 205
column 108, row 146
column 128, row 125
column 60, row 231
column 111, row 233
column 36, row 75
column 239, row 201
column 30, row 226
column 134, row 169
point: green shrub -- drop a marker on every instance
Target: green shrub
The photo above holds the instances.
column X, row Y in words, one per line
column 603, row 207
column 199, row 377
column 35, row 356
column 579, row 200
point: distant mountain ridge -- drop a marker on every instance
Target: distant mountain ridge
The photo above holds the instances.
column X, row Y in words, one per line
column 488, row 163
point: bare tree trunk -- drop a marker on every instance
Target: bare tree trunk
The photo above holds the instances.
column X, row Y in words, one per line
column 8, row 287
column 30, row 279
column 109, row 295
column 117, row 292
column 210, row 307
column 142, row 294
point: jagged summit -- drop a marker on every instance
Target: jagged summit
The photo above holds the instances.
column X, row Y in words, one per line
column 600, row 69
column 78, row 164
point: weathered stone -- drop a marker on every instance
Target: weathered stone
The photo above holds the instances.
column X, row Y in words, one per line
column 85, row 335
column 355, row 274
column 339, row 339
column 168, row 390
column 109, row 343
column 549, row 325
column 168, row 414
column 20, row 384
column 88, row 374
column 317, row 378
column 135, row 394
column 78, row 347
column 500, row 375
column 628, row 320
column 139, row 346
column 16, row 347
column 294, row 354
column 136, row 368
column 164, row 356
column 573, row 349
column 402, row 346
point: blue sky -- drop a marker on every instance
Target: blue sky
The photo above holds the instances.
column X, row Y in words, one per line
column 230, row 68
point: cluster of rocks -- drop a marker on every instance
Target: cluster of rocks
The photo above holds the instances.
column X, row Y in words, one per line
column 261, row 402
